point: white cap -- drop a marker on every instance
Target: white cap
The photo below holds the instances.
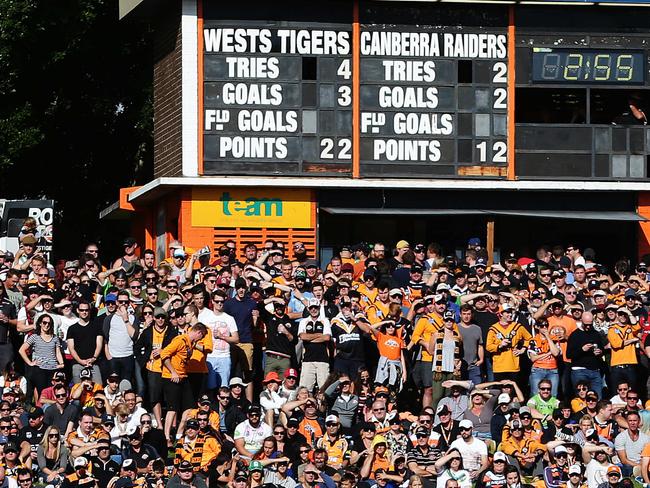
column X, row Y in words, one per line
column 313, row 302
column 443, row 286
column 503, row 398
column 396, row 291
column 331, row 418
column 499, row 456
column 179, row 253
column 599, row 293
column 575, row 468
column 497, row 267
column 560, row 450
column 80, row 461
column 438, row 297
column 466, row 424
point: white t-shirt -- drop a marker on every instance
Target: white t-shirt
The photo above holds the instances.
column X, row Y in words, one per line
column 253, row 436
column 596, row 473
column 225, row 325
column 207, row 317
column 471, row 453
column 120, row 344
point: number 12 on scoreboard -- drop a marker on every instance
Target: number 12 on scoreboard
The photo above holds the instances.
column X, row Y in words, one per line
column 499, row 151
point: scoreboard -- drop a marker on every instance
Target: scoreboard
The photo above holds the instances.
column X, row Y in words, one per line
column 420, row 89
column 278, row 90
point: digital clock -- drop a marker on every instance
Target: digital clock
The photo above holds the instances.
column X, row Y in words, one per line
column 591, row 66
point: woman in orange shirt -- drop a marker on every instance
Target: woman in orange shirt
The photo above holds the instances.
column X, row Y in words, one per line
column 391, row 367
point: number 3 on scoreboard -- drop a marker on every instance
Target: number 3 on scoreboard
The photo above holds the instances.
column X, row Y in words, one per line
column 499, row 151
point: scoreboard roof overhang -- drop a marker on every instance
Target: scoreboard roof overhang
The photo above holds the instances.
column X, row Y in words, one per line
column 161, row 186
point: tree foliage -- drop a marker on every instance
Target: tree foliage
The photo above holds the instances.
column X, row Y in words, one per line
column 75, row 108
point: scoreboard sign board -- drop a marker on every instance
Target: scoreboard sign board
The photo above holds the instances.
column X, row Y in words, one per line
column 279, row 95
column 276, row 97
column 418, row 110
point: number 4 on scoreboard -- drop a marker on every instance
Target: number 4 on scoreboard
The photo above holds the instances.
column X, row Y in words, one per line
column 499, row 151
column 344, row 70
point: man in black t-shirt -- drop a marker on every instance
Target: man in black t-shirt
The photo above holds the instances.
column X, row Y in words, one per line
column 316, row 334
column 31, row 435
column 104, row 468
column 85, row 342
column 280, row 337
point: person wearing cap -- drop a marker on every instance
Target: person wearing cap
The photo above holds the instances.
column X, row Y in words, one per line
column 334, row 443
column 289, row 386
column 528, row 452
column 246, row 314
column 367, row 288
column 557, row 472
column 175, row 358
column 281, row 332
column 473, row 450
column 104, row 468
column 129, row 258
column 196, row 448
column 120, row 331
column 585, row 348
column 138, row 451
column 445, row 347
column 425, row 327
column 185, row 476
column 250, row 434
column 147, row 352
column 506, row 341
column 270, row 400
column 500, row 417
column 315, row 333
column 422, row 456
column 495, row 475
column 445, row 429
column 623, row 339
column 84, row 391
column 81, row 477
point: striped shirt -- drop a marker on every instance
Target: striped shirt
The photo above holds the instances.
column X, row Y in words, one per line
column 44, row 352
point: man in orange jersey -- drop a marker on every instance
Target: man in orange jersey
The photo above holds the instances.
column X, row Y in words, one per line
column 506, row 341
column 623, row 337
column 176, row 386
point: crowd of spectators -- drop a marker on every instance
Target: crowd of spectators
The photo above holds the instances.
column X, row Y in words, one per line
column 382, row 367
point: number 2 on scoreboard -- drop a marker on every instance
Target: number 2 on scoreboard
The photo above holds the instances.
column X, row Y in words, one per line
column 499, row 150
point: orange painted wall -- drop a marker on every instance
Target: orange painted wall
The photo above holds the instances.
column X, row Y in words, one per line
column 643, row 207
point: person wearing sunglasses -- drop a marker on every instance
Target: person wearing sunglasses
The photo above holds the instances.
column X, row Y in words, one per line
column 52, row 456
column 45, row 353
column 147, row 352
column 85, row 343
column 122, row 326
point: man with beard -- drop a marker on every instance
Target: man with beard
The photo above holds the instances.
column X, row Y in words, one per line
column 299, row 253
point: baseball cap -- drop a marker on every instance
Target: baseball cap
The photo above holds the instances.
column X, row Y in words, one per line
column 560, row 450
column 313, row 302
column 254, row 409
column 111, row 297
column 255, row 466
column 442, row 287
column 503, row 398
column 35, row 412
column 524, row 411
column 576, row 469
column 311, row 263
column 291, row 373
column 347, row 268
column 293, row 421
column 128, row 242
column 395, row 292
column 601, row 293
column 222, row 280
column 129, row 464
column 204, row 400
column 466, row 424
column 613, row 469
column 474, row 241
column 185, row 465
column 179, row 253
column 192, row 424
column 86, row 374
column 108, row 419
column 442, row 410
column 402, row 244
column 448, row 315
column 241, row 475
column 500, row 456
column 480, row 263
column 332, row 418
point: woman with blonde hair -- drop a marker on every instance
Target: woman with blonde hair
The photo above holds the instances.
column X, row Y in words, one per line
column 52, row 456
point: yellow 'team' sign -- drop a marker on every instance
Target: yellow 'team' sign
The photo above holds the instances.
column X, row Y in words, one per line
column 252, row 207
